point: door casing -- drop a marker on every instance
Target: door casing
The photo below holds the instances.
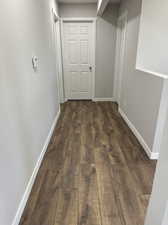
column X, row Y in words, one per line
column 58, row 52
column 120, row 56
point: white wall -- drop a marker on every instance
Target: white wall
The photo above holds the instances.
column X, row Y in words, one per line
column 152, row 54
column 105, row 52
column 28, row 100
column 105, row 43
column 141, row 92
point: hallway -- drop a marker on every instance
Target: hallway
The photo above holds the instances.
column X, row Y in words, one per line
column 93, row 173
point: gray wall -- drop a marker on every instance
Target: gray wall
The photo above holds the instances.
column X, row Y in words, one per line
column 141, row 91
column 105, row 52
column 158, row 207
column 28, row 100
column 78, row 10
column 153, row 37
column 105, row 43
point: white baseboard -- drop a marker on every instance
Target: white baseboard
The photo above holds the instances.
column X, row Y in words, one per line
column 34, row 174
column 147, row 149
column 103, row 99
column 154, row 155
column 98, row 99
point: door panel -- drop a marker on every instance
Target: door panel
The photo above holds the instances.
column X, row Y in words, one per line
column 84, row 29
column 74, row 81
column 72, row 52
column 78, row 53
column 84, row 54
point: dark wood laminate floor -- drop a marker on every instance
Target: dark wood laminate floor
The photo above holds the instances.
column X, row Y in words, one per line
column 94, row 172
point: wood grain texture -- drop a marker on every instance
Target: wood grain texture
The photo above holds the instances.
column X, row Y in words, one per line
column 94, row 172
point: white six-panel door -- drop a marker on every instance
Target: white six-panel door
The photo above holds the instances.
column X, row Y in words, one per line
column 78, row 59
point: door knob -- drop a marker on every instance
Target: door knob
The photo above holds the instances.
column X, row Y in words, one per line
column 90, row 68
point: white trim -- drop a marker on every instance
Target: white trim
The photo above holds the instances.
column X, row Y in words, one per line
column 151, row 155
column 101, row 6
column 116, row 65
column 163, row 76
column 78, row 19
column 154, row 156
column 58, row 56
column 34, row 174
column 59, row 60
column 94, row 58
column 63, row 58
column 104, row 99
column 81, row 19
column 120, row 57
column 55, row 15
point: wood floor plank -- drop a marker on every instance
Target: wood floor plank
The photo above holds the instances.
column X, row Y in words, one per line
column 67, row 208
column 144, row 200
column 103, row 159
column 89, row 208
column 94, row 172
column 107, row 195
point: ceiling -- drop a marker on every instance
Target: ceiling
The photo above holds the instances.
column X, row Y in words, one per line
column 84, row 1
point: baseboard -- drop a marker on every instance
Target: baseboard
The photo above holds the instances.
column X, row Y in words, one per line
column 34, row 174
column 147, row 149
column 154, row 155
column 104, row 99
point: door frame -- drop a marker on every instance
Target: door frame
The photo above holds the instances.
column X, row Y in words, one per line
column 56, row 32
column 120, row 47
column 82, row 19
column 59, row 60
